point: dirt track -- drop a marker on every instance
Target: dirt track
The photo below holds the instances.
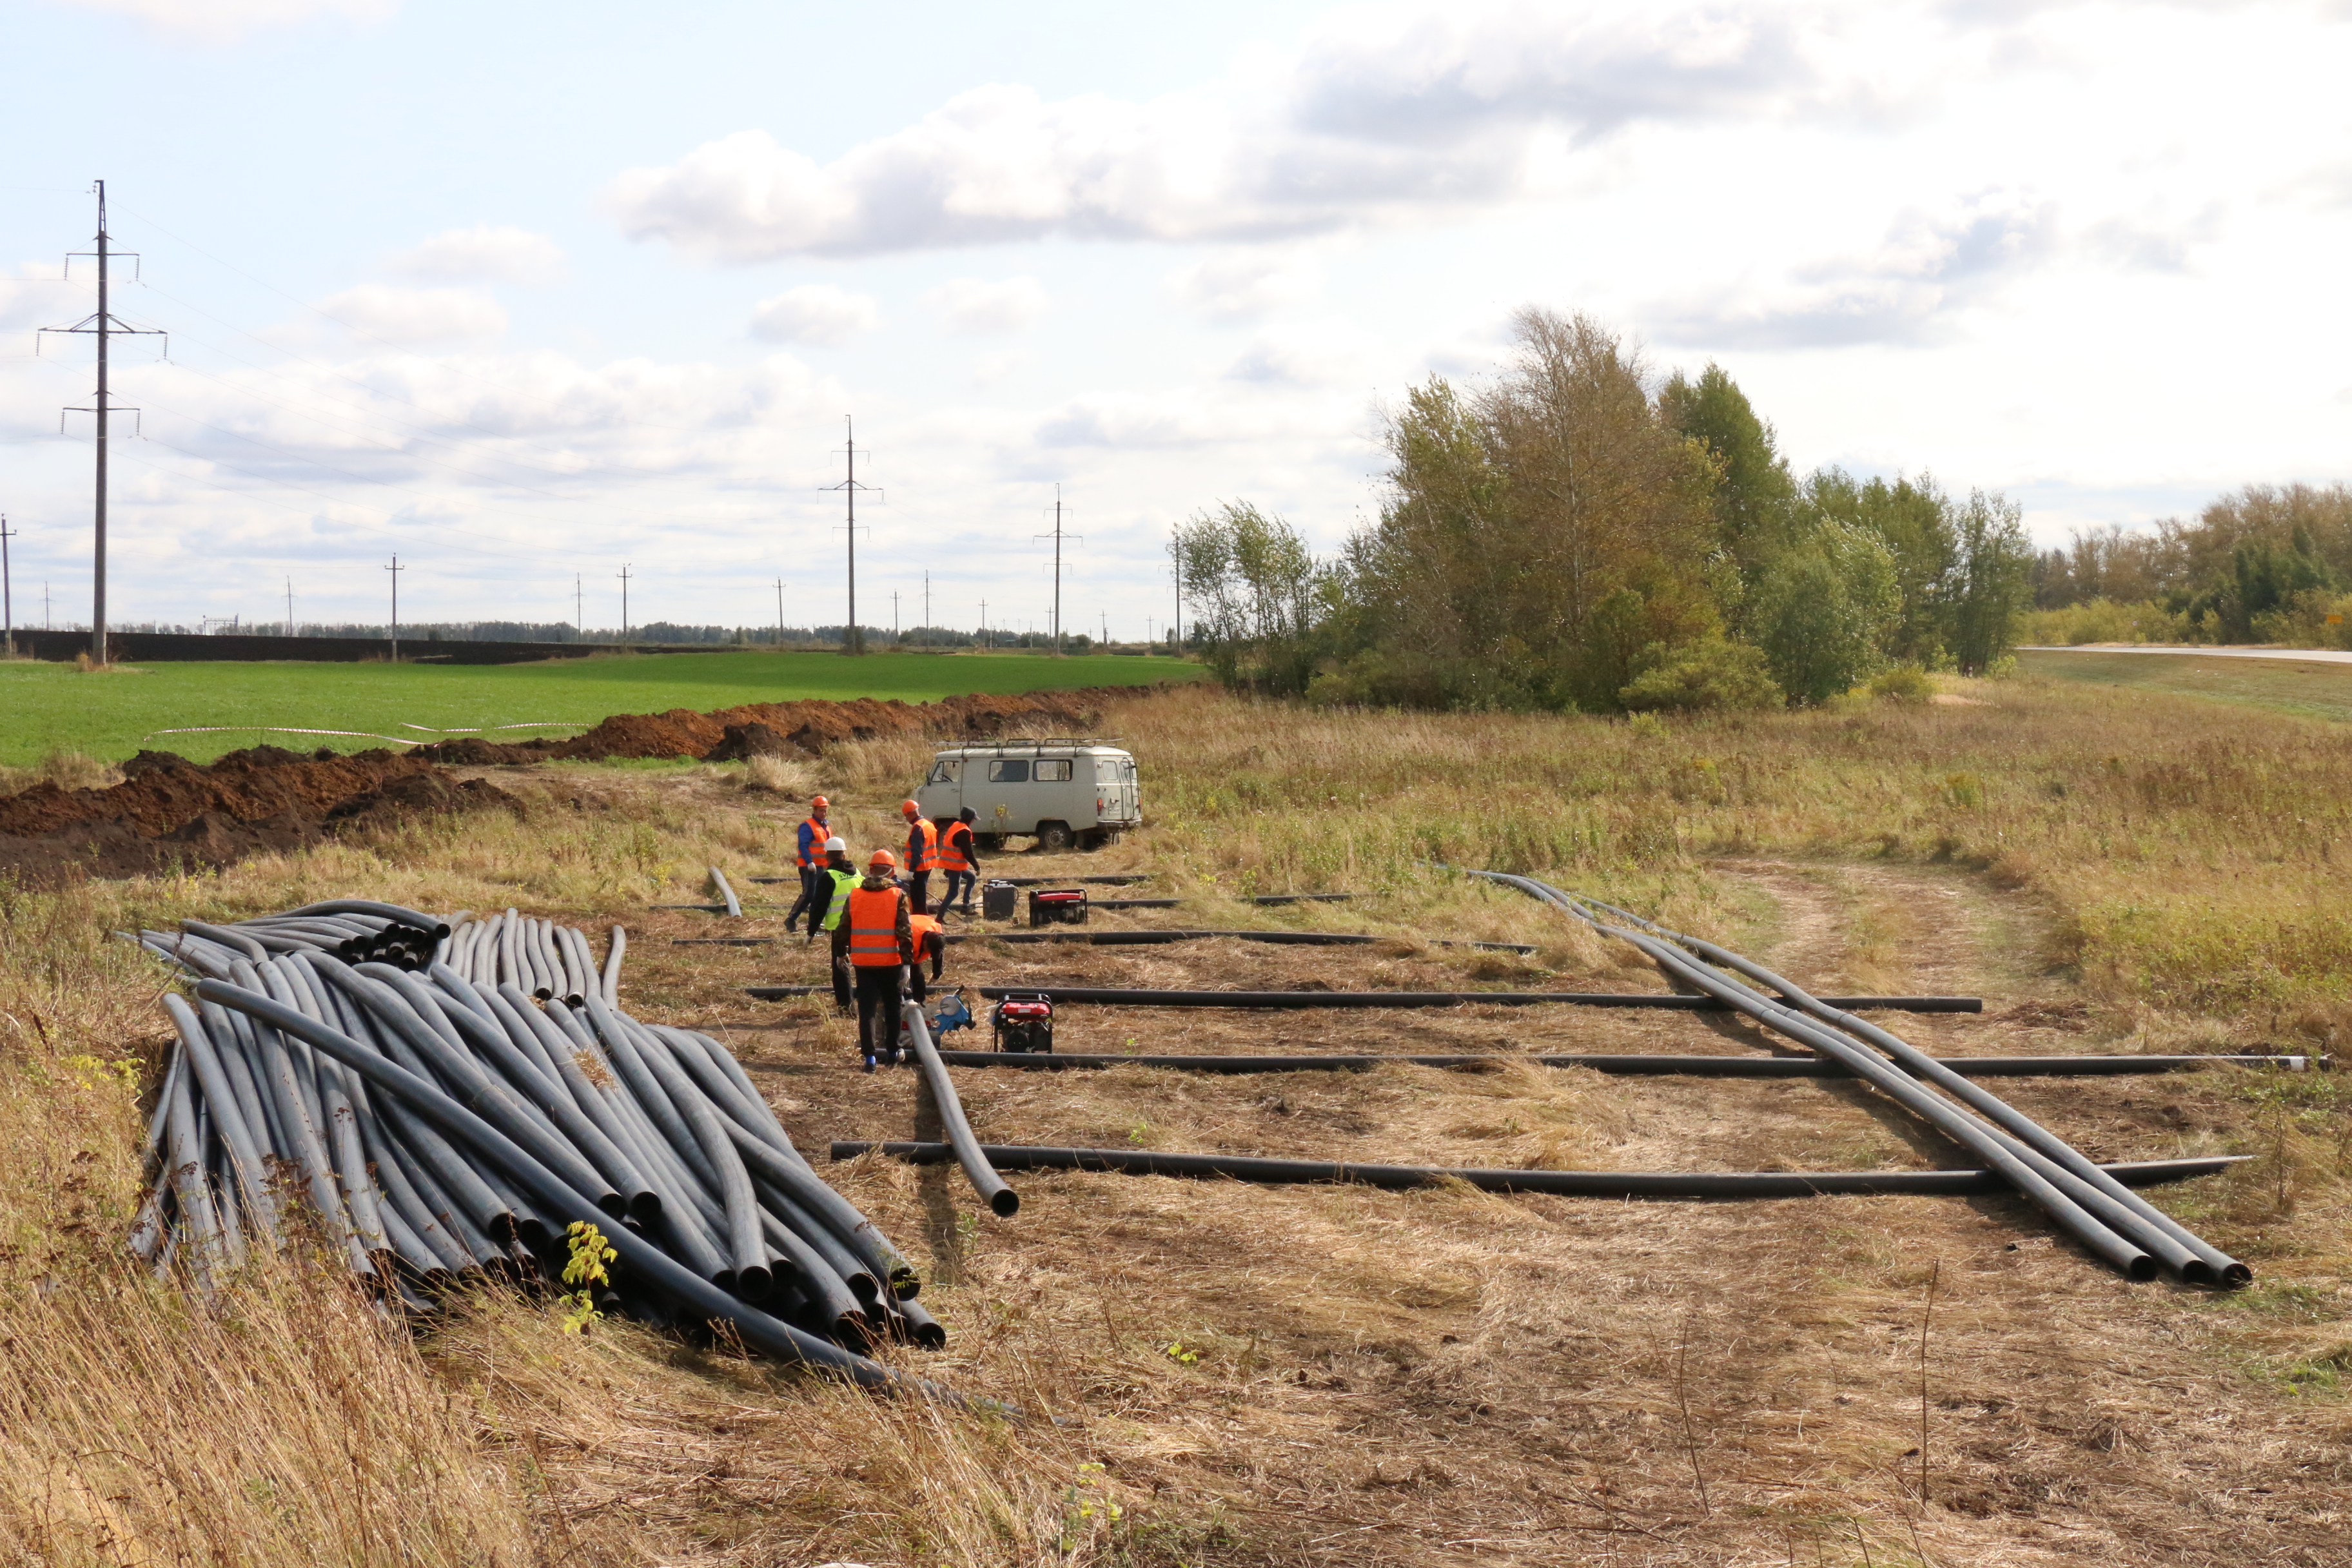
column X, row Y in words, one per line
column 1443, row 1377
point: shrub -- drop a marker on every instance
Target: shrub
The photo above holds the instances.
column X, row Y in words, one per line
column 2104, row 620
column 1904, row 683
column 1702, row 675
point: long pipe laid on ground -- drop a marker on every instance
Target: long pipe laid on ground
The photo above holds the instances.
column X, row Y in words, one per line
column 2225, row 1269
column 1562, row 1184
column 1280, row 937
column 1634, row 1065
column 1003, row 1201
column 1114, row 996
column 2108, row 1227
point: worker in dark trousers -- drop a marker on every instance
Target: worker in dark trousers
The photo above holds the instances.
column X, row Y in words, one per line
column 959, row 858
column 922, row 856
column 931, row 943
column 810, row 857
column 877, row 943
column 826, row 907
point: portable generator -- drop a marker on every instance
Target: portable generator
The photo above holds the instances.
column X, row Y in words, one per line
column 1024, row 1023
column 998, row 900
column 1057, row 907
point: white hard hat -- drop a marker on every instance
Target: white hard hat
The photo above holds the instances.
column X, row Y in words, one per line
column 836, row 843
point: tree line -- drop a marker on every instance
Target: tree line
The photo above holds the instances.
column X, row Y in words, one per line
column 1576, row 535
column 2265, row 563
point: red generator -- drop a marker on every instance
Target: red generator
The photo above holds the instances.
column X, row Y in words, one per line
column 1024, row 1023
column 1057, row 907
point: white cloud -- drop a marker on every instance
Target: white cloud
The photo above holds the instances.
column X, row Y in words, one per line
column 1365, row 118
column 394, row 315
column 219, row 21
column 484, row 254
column 978, row 305
column 815, row 313
column 1320, row 355
column 1236, row 284
column 1905, row 290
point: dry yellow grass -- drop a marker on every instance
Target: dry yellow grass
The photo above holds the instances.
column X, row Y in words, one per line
column 1316, row 1375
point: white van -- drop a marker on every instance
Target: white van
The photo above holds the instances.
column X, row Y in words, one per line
column 1064, row 792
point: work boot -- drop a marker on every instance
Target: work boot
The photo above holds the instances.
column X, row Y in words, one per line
column 869, row 1064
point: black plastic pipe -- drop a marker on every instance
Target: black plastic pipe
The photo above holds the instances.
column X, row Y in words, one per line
column 1625, row 1066
column 642, row 1258
column 1280, row 937
column 1564, row 1184
column 1114, row 996
column 1003, row 1201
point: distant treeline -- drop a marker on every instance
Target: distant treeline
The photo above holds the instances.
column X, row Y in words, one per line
column 2269, row 563
column 1576, row 536
column 665, row 633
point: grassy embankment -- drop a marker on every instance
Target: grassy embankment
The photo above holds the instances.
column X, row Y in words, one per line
column 47, row 708
column 2184, row 860
column 2315, row 690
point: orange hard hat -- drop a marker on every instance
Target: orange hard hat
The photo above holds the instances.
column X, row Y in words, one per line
column 909, row 808
column 818, row 803
column 882, row 858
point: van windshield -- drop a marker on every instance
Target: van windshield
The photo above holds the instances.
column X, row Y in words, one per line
column 945, row 772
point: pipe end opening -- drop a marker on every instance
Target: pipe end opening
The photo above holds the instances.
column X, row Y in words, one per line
column 2235, row 1275
column 1005, row 1203
column 2142, row 1268
column 753, row 1284
column 2197, row 1271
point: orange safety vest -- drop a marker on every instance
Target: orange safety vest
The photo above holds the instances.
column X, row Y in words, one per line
column 922, row 846
column 873, row 927
column 818, row 833
column 922, row 926
column 952, row 847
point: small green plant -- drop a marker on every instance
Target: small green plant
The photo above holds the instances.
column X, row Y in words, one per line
column 584, row 1270
column 1904, row 683
column 1086, row 1502
column 1180, row 1353
column 1964, row 790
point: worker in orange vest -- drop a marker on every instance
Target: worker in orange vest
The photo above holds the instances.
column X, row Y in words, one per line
column 931, row 942
column 813, row 832
column 878, row 942
column 922, row 855
column 959, row 858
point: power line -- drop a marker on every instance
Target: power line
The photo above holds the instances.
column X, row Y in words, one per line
column 102, row 326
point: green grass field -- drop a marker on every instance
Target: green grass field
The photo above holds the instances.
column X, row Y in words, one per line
column 54, row 706
column 2284, row 686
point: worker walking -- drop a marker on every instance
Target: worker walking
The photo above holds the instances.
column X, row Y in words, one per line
column 826, row 904
column 922, row 856
column 959, row 858
column 878, row 942
column 810, row 857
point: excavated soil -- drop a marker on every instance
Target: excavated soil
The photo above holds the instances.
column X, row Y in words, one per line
column 170, row 812
column 788, row 728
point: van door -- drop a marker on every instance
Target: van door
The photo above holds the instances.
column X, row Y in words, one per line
column 941, row 793
column 1115, row 788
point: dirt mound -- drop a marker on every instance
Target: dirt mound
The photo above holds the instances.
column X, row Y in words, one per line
column 169, row 811
column 805, row 727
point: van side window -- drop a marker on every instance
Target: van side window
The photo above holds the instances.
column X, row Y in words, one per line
column 1053, row 770
column 1009, row 769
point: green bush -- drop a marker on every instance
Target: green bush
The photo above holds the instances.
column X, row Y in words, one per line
column 1902, row 683
column 1702, row 675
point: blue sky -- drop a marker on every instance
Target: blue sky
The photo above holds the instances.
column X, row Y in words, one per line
column 527, row 291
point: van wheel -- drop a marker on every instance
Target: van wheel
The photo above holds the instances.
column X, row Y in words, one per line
column 1054, row 838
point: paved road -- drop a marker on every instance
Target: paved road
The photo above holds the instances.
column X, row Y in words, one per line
column 2309, row 655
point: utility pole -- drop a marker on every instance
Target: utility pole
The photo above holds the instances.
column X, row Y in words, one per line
column 45, row 608
column 780, row 614
column 1105, row 625
column 290, row 607
column 1176, row 574
column 927, row 603
column 894, row 615
column 7, row 593
column 395, row 569
column 100, row 326
column 624, row 603
column 579, row 614
column 1057, row 536
column 853, row 640
column 983, row 624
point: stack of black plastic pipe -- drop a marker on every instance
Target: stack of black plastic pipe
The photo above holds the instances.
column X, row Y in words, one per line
column 441, row 1106
column 2109, row 1220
